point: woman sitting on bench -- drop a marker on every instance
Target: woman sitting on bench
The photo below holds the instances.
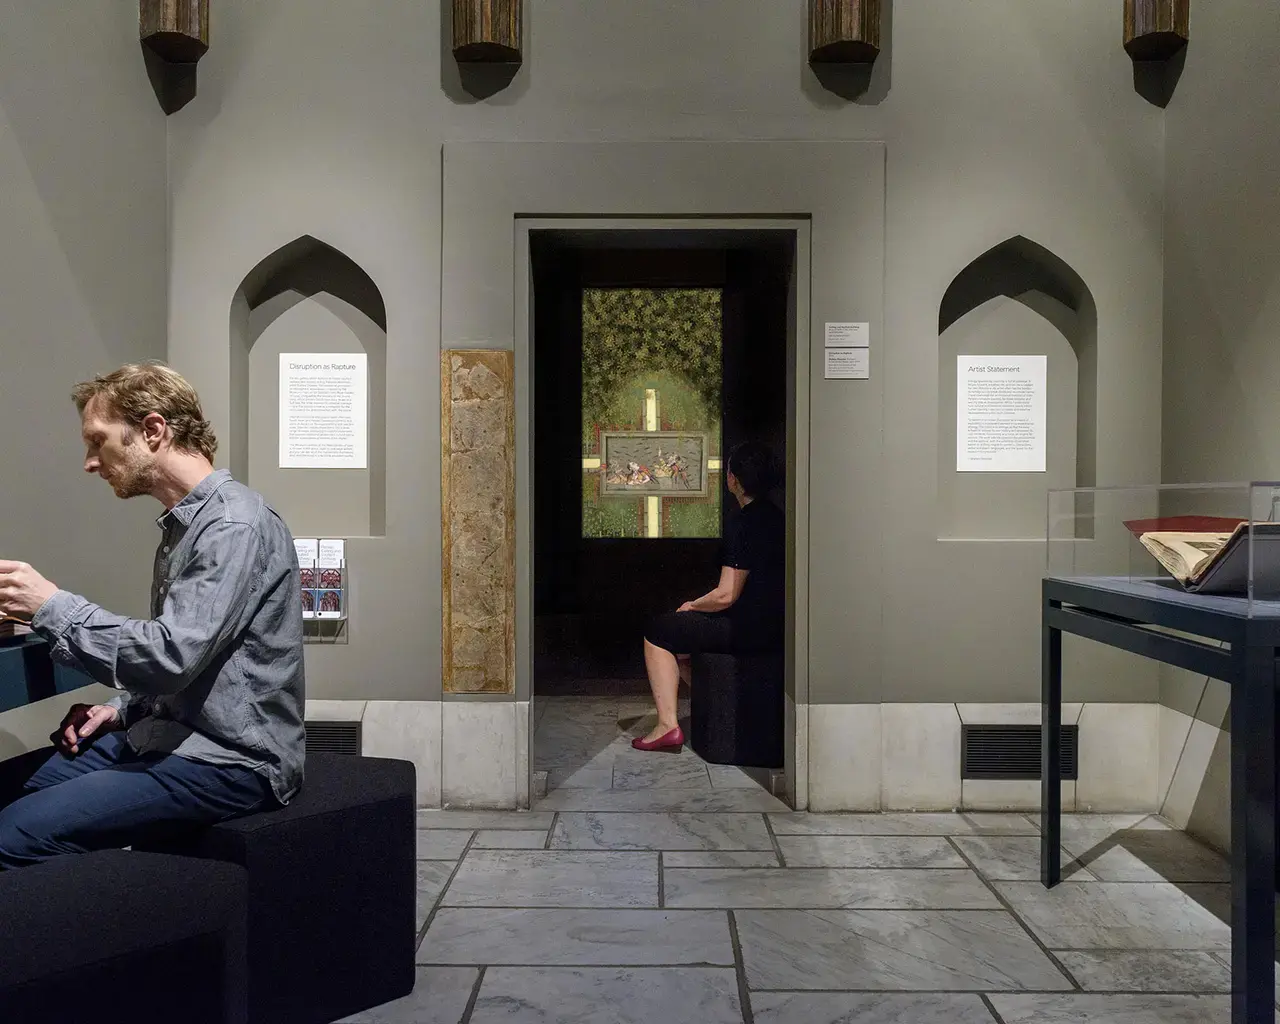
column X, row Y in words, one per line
column 746, row 610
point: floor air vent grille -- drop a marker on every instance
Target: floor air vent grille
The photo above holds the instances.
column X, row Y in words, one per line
column 1012, row 751
column 333, row 737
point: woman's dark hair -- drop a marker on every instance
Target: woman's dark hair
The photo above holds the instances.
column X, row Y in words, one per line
column 755, row 467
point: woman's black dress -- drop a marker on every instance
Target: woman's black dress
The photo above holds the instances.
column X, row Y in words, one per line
column 755, row 541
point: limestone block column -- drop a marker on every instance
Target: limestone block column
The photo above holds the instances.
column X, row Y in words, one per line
column 478, row 539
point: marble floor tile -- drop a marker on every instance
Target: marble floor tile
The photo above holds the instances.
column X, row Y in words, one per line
column 1107, row 970
column 869, row 852
column 558, row 995
column 571, row 777
column 1153, row 856
column 802, row 823
column 440, row 996
column 728, row 776
column 1083, row 832
column 1115, row 915
column 665, row 771
column 509, row 839
column 1013, row 858
column 859, row 1008
column 577, row 938
column 1123, row 1009
column 1215, row 897
column 653, row 831
column 471, row 820
column 795, row 888
column 433, row 875
column 892, row 950
column 745, row 800
column 442, row 843
column 720, row 859
column 555, row 878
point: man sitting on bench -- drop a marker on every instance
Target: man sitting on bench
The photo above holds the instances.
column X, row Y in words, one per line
column 210, row 722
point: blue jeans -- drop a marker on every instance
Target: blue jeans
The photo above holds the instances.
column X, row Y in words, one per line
column 109, row 797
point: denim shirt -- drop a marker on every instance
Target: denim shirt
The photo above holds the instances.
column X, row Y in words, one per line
column 216, row 675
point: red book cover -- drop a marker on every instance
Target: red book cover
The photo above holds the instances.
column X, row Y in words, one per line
column 1184, row 524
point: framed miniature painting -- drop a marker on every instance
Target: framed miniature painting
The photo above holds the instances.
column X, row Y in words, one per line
column 658, row 463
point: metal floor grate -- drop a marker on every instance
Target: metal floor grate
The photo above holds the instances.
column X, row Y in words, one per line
column 333, row 737
column 1012, row 751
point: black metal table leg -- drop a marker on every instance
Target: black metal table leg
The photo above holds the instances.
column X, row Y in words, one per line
column 1253, row 838
column 1050, row 750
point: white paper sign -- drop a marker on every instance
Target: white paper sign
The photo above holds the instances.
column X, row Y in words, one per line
column 324, row 410
column 308, row 551
column 848, row 335
column 848, row 364
column 332, row 554
column 1001, row 414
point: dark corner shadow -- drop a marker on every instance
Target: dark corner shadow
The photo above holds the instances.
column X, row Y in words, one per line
column 466, row 82
column 867, row 85
column 173, row 84
column 1156, row 80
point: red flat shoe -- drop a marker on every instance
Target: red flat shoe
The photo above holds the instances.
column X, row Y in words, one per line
column 673, row 740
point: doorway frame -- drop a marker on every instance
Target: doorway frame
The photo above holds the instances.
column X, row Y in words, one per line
column 796, row 699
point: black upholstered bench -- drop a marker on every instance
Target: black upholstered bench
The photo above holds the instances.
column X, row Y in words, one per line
column 332, row 890
column 121, row 938
column 736, row 709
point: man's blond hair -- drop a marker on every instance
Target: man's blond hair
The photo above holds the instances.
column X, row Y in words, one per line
column 138, row 389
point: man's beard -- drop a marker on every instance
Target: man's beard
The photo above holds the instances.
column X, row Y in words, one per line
column 133, row 477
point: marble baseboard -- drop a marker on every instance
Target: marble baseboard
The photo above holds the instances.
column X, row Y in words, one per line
column 796, row 726
column 335, row 710
column 480, row 743
column 524, row 748
column 1119, row 758
column 844, row 757
column 920, row 759
column 1009, row 795
column 403, row 729
column 906, row 757
column 1199, row 793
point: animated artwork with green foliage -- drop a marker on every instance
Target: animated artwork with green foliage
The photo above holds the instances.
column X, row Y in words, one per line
column 651, row 362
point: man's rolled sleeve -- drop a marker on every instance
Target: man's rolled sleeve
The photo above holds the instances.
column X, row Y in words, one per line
column 203, row 606
column 57, row 613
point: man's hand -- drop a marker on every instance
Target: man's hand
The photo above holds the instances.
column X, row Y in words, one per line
column 686, row 607
column 22, row 589
column 81, row 722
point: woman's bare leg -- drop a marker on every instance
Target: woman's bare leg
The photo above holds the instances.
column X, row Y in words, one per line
column 664, row 681
column 685, row 662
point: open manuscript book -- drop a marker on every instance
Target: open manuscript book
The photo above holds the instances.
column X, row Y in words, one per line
column 1210, row 554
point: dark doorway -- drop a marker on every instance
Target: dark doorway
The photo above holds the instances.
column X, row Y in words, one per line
column 602, row 564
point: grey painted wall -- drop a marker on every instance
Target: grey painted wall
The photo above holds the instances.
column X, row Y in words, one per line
column 1222, row 309
column 1000, row 118
column 82, row 285
column 1222, row 269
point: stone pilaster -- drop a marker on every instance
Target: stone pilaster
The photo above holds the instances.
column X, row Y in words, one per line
column 478, row 522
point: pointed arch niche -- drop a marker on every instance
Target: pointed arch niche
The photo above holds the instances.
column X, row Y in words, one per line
column 1018, row 299
column 307, row 297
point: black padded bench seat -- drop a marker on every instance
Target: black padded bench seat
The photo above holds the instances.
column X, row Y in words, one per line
column 115, row 937
column 736, row 708
column 332, row 890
